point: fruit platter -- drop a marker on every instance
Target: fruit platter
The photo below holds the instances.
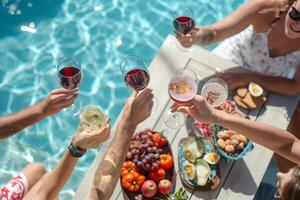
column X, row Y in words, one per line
column 198, row 163
column 230, row 144
column 148, row 171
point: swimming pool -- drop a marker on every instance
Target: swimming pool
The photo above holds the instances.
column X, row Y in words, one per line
column 35, row 34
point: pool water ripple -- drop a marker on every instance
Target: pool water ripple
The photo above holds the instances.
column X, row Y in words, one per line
column 97, row 33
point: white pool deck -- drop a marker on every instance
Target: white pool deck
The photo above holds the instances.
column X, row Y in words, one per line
column 239, row 179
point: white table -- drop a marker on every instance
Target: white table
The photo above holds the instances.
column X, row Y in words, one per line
column 239, row 179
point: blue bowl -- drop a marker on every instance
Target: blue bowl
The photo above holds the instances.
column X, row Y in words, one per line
column 248, row 147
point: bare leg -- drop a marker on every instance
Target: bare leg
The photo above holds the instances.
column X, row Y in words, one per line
column 33, row 173
column 294, row 127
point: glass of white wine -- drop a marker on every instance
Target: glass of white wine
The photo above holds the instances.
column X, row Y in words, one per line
column 215, row 91
column 92, row 119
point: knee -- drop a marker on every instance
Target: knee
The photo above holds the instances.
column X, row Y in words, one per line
column 37, row 168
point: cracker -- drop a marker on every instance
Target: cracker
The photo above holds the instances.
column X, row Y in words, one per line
column 242, row 92
column 249, row 101
column 239, row 102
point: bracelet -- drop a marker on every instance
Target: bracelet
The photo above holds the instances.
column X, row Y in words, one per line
column 76, row 151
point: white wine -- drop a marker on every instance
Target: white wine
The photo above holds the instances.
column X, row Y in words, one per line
column 92, row 119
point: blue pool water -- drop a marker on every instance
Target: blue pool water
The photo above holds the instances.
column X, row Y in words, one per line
column 97, row 33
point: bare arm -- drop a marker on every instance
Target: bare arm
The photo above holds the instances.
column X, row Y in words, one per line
column 136, row 110
column 51, row 183
column 56, row 100
column 283, row 85
column 278, row 140
column 49, row 186
column 275, row 84
column 232, row 24
column 239, row 19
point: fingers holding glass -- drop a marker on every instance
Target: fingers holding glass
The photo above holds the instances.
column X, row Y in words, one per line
column 182, row 89
column 69, row 74
column 183, row 25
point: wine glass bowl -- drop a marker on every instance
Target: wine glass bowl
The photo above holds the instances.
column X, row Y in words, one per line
column 215, row 91
column 182, row 89
column 183, row 23
column 92, row 118
column 135, row 72
column 136, row 75
column 69, row 73
column 183, row 86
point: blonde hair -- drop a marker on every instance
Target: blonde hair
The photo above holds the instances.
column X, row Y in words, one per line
column 292, row 190
column 287, row 4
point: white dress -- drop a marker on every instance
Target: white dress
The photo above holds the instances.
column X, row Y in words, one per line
column 250, row 50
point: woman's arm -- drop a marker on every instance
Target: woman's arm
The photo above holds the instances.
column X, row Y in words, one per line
column 232, row 24
column 280, row 141
column 49, row 186
column 274, row 84
column 136, row 110
column 55, row 101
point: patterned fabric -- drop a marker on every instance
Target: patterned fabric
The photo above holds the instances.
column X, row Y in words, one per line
column 250, row 50
column 15, row 189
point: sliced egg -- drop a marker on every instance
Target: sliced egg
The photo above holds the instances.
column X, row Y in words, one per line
column 190, row 155
column 189, row 170
column 196, row 149
column 255, row 89
column 202, row 172
column 212, row 158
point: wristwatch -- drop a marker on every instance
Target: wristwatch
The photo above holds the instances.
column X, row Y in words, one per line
column 76, row 151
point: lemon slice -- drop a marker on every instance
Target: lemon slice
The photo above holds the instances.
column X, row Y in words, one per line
column 255, row 89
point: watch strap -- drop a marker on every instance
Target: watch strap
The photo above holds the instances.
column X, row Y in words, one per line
column 76, row 151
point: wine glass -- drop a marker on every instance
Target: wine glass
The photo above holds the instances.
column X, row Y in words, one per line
column 215, row 91
column 183, row 23
column 182, row 89
column 69, row 74
column 92, row 119
column 136, row 74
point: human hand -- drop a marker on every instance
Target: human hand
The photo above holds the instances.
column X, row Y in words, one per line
column 199, row 109
column 235, row 80
column 199, row 36
column 187, row 40
column 57, row 100
column 138, row 107
column 90, row 140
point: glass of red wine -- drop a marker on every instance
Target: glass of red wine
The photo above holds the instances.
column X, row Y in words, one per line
column 69, row 75
column 136, row 74
column 183, row 23
column 182, row 89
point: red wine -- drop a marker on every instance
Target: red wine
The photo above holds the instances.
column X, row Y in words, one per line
column 69, row 77
column 138, row 79
column 183, row 24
